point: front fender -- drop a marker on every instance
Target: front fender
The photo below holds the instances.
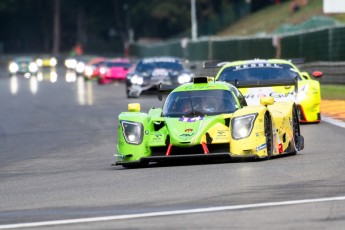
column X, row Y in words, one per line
column 255, row 143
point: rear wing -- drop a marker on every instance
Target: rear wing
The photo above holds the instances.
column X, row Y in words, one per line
column 266, row 83
column 220, row 64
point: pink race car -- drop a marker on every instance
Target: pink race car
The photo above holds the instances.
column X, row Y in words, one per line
column 113, row 70
column 92, row 67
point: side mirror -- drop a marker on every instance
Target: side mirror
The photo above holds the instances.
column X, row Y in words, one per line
column 317, row 74
column 134, row 107
column 192, row 66
column 305, row 75
column 267, row 101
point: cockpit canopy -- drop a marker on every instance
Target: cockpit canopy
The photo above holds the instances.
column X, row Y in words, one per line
column 199, row 103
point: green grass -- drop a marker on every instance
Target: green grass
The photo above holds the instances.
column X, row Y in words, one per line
column 333, row 92
column 269, row 19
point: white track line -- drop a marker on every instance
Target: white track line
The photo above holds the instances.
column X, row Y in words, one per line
column 333, row 121
column 169, row 213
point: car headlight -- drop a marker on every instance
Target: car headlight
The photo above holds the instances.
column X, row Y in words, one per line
column 13, row 67
column 33, row 67
column 102, row 70
column 136, row 79
column 132, row 131
column 88, row 71
column 71, row 63
column 39, row 62
column 242, row 126
column 184, row 78
column 53, row 62
column 302, row 93
column 80, row 67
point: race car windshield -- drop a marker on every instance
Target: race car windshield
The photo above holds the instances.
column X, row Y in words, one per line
column 117, row 64
column 258, row 72
column 199, row 103
column 148, row 66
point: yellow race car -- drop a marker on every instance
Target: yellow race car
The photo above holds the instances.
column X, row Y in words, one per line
column 306, row 94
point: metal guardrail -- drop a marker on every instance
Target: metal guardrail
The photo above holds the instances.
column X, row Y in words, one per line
column 333, row 72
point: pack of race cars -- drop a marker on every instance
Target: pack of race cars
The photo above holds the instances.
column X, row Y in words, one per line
column 249, row 109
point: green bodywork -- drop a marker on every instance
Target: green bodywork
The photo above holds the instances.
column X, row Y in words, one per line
column 159, row 131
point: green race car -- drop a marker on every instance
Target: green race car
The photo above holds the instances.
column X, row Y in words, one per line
column 207, row 119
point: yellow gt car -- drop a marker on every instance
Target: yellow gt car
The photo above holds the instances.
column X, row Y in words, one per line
column 306, row 94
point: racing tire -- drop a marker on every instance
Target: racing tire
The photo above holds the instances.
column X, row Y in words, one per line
column 268, row 135
column 295, row 128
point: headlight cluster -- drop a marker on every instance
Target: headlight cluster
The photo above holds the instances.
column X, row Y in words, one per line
column 302, row 93
column 136, row 79
column 33, row 68
column 80, row 67
column 88, row 71
column 39, row 62
column 13, row 67
column 53, row 62
column 70, row 63
column 242, row 126
column 184, row 78
column 102, row 70
column 132, row 131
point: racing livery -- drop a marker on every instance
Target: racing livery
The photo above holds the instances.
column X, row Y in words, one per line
column 207, row 119
column 148, row 73
column 306, row 94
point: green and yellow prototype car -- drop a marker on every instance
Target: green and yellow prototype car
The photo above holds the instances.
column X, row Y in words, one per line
column 207, row 119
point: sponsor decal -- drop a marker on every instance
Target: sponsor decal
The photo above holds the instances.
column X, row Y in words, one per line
column 157, row 136
column 162, row 59
column 261, row 147
column 221, row 132
column 187, row 135
column 191, row 119
column 257, row 65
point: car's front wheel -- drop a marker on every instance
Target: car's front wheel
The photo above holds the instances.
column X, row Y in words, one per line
column 268, row 135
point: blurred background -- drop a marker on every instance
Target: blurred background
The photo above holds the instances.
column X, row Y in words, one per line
column 110, row 27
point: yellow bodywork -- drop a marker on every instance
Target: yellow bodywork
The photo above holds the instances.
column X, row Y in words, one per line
column 255, row 144
column 308, row 98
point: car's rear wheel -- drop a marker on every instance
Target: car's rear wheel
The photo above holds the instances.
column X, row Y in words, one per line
column 268, row 135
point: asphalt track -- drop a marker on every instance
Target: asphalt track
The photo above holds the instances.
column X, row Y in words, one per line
column 57, row 138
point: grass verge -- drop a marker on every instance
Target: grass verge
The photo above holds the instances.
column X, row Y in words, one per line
column 333, row 92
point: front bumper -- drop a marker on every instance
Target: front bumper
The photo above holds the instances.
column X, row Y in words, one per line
column 157, row 159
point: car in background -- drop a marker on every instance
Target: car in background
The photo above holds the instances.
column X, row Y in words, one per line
column 46, row 61
column 306, row 94
column 113, row 70
column 92, row 68
column 77, row 64
column 207, row 119
column 148, row 73
column 25, row 66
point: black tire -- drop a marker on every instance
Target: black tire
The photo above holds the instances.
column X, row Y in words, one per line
column 295, row 128
column 268, row 135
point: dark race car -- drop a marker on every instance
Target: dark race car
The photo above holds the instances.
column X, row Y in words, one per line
column 25, row 66
column 148, row 73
